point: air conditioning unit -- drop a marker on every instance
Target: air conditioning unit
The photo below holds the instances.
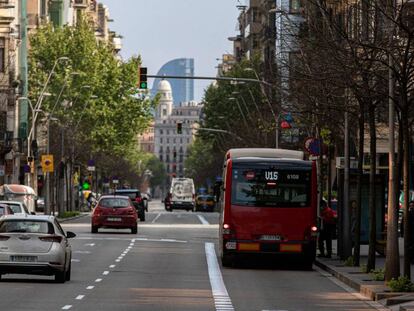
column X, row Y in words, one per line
column 340, row 163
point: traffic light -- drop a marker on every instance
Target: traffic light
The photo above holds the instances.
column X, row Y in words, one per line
column 142, row 83
column 179, row 128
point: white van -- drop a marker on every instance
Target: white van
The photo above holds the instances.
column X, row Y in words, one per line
column 19, row 193
column 182, row 194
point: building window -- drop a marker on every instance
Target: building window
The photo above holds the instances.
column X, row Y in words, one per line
column 161, row 132
column 161, row 140
column 161, row 158
column 164, row 112
column 295, row 6
column 2, row 55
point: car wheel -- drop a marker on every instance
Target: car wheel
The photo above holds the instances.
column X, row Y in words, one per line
column 94, row 229
column 60, row 277
column 68, row 273
column 134, row 230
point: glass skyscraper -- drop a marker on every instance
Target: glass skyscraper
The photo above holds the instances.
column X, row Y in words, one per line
column 182, row 90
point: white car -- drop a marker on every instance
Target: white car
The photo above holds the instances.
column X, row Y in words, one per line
column 18, row 208
column 35, row 245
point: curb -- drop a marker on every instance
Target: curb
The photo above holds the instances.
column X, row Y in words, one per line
column 361, row 282
column 71, row 218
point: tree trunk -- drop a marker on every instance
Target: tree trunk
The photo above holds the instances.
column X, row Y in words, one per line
column 357, row 233
column 406, row 189
column 371, row 200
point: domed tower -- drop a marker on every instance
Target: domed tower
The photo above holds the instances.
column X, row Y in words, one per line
column 166, row 101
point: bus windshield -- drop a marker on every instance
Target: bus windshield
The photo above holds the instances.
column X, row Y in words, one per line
column 270, row 186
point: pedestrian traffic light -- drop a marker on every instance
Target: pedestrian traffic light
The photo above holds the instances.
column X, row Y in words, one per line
column 179, row 128
column 142, row 83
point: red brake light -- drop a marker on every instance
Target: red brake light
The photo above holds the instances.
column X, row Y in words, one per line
column 4, row 237
column 227, row 230
column 52, row 238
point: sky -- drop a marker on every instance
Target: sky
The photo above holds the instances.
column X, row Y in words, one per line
column 162, row 30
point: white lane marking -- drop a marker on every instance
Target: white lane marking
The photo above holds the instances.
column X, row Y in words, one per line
column 350, row 290
column 75, row 260
column 138, row 239
column 221, row 296
column 105, row 272
column 112, row 266
column 150, row 225
column 80, row 297
column 82, row 252
column 90, row 287
column 203, row 220
column 117, row 260
column 155, row 219
column 90, row 244
column 98, row 280
column 67, row 307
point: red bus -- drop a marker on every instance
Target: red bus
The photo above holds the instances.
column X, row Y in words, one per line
column 268, row 204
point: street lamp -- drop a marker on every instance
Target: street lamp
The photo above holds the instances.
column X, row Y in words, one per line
column 276, row 117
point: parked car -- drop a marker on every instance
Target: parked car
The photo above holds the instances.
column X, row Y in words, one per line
column 18, row 208
column 40, row 204
column 34, row 244
column 205, row 203
column 114, row 211
column 5, row 210
column 136, row 198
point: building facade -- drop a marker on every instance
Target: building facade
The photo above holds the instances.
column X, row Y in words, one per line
column 183, row 89
column 170, row 146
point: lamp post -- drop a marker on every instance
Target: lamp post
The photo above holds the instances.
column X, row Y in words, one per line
column 276, row 117
column 43, row 93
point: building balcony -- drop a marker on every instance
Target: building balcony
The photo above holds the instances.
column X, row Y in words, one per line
column 7, row 4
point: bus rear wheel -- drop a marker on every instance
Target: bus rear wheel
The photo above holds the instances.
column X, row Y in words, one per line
column 227, row 260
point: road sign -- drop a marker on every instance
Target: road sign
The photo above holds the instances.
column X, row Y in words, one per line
column 313, row 146
column 47, row 163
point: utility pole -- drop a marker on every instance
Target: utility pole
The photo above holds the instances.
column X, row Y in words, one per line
column 21, row 110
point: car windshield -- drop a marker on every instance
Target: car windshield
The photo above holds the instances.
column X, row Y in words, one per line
column 114, row 202
column 131, row 195
column 26, row 226
column 16, row 208
column 269, row 186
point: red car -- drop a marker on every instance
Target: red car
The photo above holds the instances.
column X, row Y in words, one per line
column 114, row 211
column 5, row 210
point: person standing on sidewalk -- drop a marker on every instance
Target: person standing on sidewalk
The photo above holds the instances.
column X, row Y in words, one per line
column 328, row 227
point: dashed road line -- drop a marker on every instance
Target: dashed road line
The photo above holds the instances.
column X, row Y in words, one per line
column 67, row 307
column 80, row 297
column 203, row 220
column 90, row 287
column 221, row 297
column 75, row 260
column 155, row 219
column 105, row 273
column 98, row 280
column 112, row 266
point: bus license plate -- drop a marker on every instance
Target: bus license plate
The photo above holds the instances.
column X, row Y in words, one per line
column 270, row 238
column 23, row 258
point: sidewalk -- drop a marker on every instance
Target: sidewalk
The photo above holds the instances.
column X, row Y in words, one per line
column 364, row 283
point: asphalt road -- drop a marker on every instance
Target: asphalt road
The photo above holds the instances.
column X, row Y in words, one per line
column 171, row 264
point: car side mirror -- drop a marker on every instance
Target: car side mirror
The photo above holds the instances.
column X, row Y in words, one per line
column 70, row 234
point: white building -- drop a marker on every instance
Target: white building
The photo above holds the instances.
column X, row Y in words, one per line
column 169, row 146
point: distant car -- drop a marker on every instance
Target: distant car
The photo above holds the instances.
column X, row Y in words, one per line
column 114, row 211
column 40, row 204
column 18, row 208
column 182, row 194
column 5, row 210
column 137, row 200
column 205, row 203
column 35, row 245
